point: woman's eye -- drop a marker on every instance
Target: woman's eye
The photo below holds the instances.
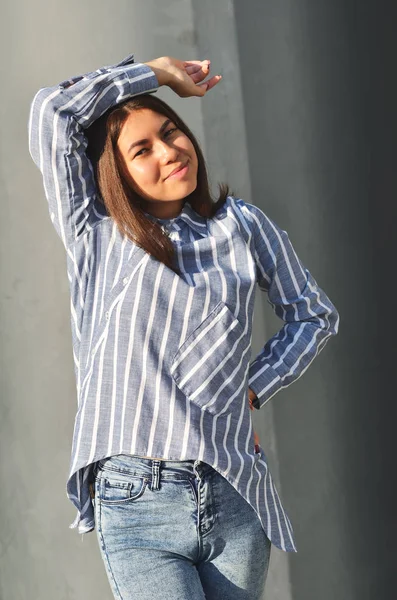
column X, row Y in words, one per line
column 138, row 153
column 171, row 130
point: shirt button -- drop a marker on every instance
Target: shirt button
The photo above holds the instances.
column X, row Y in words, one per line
column 125, row 280
column 107, row 315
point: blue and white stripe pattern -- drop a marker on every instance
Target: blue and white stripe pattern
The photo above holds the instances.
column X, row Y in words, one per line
column 162, row 361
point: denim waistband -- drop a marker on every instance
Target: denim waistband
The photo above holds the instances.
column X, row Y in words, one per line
column 131, row 464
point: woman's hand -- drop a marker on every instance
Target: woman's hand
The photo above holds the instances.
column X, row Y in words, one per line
column 251, row 396
column 184, row 76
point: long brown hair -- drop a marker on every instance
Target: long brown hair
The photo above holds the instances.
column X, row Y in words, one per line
column 123, row 203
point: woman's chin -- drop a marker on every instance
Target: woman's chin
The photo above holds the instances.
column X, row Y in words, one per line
column 183, row 189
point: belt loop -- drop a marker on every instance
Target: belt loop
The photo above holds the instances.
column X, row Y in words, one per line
column 156, row 465
column 197, row 468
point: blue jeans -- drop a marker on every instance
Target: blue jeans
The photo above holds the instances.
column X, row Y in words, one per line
column 177, row 530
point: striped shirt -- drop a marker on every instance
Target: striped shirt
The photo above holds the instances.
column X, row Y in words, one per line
column 162, row 361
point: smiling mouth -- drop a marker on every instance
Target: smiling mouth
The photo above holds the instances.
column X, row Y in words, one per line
column 180, row 172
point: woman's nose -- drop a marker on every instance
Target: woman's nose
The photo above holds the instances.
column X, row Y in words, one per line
column 167, row 152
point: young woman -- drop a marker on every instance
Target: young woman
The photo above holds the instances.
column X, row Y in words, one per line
column 165, row 464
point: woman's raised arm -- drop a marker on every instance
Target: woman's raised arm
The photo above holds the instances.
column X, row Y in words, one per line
column 60, row 114
column 57, row 142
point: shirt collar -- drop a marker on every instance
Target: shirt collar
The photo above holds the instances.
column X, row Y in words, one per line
column 187, row 216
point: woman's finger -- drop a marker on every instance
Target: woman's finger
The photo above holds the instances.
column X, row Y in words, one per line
column 208, row 85
column 200, row 74
column 193, row 69
column 188, row 63
column 202, row 67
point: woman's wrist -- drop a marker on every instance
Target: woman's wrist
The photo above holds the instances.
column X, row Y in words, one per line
column 158, row 66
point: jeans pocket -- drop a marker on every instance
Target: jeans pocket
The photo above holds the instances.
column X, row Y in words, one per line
column 116, row 488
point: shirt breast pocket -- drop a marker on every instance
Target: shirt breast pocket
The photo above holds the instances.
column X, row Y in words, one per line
column 209, row 366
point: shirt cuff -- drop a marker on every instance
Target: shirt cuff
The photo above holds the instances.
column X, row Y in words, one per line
column 264, row 381
column 142, row 79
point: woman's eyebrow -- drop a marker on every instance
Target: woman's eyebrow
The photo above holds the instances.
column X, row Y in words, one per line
column 145, row 141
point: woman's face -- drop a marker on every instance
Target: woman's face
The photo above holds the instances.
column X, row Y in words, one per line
column 152, row 147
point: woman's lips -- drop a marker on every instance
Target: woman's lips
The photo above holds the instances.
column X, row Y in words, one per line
column 180, row 173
